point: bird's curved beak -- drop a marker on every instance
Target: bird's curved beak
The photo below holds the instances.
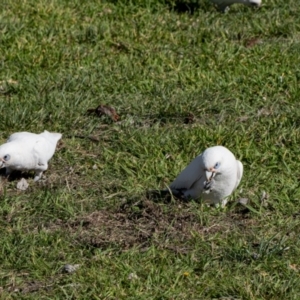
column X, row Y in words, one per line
column 210, row 174
column 2, row 163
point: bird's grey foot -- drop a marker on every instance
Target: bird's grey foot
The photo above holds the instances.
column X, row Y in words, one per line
column 38, row 175
column 207, row 185
column 180, row 194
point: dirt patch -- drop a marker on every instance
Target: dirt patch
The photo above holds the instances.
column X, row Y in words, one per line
column 143, row 223
column 31, row 286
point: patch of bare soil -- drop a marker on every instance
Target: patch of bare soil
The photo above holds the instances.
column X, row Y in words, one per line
column 144, row 223
column 30, row 287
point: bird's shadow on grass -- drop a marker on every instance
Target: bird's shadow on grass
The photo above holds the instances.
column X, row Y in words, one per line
column 16, row 175
column 183, row 6
column 165, row 196
column 180, row 6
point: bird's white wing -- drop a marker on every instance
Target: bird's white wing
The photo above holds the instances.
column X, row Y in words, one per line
column 192, row 173
column 50, row 136
column 240, row 170
column 28, row 136
column 43, row 150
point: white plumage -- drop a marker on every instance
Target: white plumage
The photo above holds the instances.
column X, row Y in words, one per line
column 223, row 4
column 212, row 176
column 28, row 151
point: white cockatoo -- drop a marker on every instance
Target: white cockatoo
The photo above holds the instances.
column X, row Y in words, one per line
column 211, row 176
column 223, row 4
column 26, row 151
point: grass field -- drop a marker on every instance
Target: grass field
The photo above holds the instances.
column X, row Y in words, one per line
column 180, row 82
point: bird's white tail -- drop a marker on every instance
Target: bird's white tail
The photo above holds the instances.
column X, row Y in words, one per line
column 52, row 136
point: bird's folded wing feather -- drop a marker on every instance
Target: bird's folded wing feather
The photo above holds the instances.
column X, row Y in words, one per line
column 189, row 175
column 28, row 136
column 43, row 149
column 240, row 170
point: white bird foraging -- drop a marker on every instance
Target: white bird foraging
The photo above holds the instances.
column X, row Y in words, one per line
column 27, row 151
column 223, row 4
column 211, row 176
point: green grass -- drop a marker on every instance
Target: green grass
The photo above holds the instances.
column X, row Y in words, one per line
column 237, row 73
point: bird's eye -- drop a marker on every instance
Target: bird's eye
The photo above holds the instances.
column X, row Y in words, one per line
column 217, row 165
column 6, row 157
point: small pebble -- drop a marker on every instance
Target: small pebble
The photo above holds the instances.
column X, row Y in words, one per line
column 243, row 201
column 22, row 185
column 132, row 276
column 264, row 199
column 264, row 196
column 70, row 268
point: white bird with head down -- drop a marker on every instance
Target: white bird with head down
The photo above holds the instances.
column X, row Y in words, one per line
column 212, row 176
column 223, row 4
column 27, row 151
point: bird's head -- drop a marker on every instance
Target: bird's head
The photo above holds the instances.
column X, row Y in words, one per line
column 215, row 160
column 4, row 161
column 6, row 155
